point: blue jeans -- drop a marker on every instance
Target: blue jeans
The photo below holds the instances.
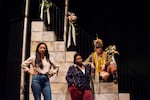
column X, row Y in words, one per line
column 41, row 85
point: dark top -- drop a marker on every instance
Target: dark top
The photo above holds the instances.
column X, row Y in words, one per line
column 78, row 78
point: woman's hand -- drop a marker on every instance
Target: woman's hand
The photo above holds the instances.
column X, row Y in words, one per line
column 51, row 74
column 32, row 72
column 92, row 65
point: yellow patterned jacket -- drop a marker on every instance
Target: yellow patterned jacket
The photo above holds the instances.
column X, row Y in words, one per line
column 99, row 63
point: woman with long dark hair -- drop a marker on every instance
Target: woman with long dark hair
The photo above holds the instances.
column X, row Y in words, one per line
column 41, row 63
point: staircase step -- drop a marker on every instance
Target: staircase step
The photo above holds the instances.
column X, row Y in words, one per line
column 70, row 56
column 107, row 87
column 59, row 46
column 66, row 96
column 38, row 26
column 57, row 49
column 64, row 66
column 124, row 96
column 43, row 36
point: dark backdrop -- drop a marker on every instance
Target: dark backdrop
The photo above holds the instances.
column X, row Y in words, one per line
column 125, row 24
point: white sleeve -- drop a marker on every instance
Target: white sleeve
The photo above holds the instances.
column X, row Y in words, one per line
column 27, row 62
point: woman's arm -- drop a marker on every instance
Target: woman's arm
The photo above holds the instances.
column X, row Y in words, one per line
column 89, row 59
column 27, row 62
column 54, row 65
column 69, row 76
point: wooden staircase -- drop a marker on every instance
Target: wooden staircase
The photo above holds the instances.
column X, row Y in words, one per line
column 57, row 49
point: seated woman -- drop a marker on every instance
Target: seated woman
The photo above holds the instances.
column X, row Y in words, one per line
column 105, row 65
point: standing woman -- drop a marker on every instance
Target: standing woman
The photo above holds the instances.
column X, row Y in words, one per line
column 78, row 79
column 41, row 64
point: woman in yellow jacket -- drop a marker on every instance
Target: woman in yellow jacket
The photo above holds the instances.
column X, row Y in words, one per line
column 104, row 64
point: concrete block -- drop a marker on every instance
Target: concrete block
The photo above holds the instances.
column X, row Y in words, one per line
column 58, row 56
column 110, row 96
column 62, row 96
column 50, row 45
column 59, row 46
column 43, row 36
column 124, row 96
column 38, row 26
column 107, row 87
column 48, row 36
column 64, row 66
column 70, row 56
column 59, row 87
column 33, row 45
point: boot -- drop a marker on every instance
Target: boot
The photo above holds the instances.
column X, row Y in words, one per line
column 115, row 77
column 101, row 79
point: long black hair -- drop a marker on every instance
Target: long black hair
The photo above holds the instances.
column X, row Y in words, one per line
column 38, row 60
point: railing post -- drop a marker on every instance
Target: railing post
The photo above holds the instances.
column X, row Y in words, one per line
column 65, row 20
column 24, row 50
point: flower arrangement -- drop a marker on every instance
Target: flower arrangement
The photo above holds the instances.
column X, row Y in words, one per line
column 72, row 29
column 46, row 4
column 111, row 50
column 72, row 18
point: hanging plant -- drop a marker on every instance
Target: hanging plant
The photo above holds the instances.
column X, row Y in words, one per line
column 72, row 18
column 72, row 29
column 111, row 50
column 46, row 4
